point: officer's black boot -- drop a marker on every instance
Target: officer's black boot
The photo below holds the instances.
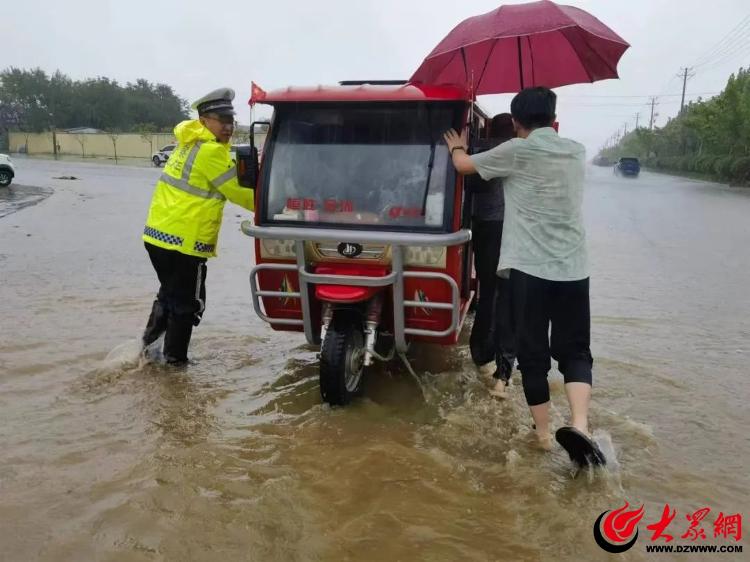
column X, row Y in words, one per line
column 177, row 339
column 157, row 324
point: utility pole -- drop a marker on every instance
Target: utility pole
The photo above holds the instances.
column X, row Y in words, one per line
column 686, row 73
column 637, row 116
column 626, row 130
column 651, row 121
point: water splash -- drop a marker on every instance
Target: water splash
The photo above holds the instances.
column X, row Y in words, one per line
column 124, row 355
column 604, row 440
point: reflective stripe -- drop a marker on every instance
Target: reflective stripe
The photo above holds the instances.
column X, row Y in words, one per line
column 183, row 183
column 225, row 177
column 188, row 167
column 163, row 236
column 203, row 247
column 186, row 187
column 198, row 283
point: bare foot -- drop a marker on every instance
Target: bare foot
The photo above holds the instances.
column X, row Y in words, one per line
column 500, row 390
column 583, row 428
column 544, row 441
column 486, row 370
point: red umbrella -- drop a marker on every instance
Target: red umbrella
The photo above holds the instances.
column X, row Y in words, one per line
column 523, row 45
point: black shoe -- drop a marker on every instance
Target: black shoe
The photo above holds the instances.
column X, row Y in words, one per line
column 581, row 449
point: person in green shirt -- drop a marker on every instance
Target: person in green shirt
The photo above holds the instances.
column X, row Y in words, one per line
column 543, row 254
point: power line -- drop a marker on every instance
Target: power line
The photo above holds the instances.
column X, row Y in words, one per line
column 728, row 54
column 725, row 41
column 638, row 96
column 735, row 42
column 568, row 104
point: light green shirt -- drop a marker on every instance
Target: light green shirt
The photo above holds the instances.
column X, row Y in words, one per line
column 543, row 233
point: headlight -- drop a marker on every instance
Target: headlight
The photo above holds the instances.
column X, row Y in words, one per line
column 277, row 249
column 426, row 256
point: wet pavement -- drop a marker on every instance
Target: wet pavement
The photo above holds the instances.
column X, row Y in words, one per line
column 236, row 458
column 13, row 199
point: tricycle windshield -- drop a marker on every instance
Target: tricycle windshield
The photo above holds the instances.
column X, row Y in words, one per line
column 374, row 165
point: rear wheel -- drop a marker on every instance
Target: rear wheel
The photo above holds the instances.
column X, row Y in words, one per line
column 157, row 161
column 342, row 359
column 5, row 178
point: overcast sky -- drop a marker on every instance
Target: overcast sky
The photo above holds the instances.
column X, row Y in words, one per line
column 197, row 46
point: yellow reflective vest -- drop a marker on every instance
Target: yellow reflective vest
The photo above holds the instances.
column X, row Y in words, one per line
column 188, row 201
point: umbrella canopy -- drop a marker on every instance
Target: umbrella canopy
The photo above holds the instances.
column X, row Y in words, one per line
column 523, row 45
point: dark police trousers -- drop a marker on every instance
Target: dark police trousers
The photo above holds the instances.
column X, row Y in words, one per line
column 180, row 302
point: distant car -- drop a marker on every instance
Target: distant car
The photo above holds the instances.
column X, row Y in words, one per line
column 628, row 167
column 7, row 171
column 163, row 155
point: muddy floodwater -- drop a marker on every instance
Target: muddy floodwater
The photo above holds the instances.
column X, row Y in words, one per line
column 237, row 459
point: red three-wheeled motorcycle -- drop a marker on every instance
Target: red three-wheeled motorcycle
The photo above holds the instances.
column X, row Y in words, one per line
column 361, row 235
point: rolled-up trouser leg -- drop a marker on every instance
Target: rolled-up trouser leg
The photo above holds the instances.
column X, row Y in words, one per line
column 535, row 387
column 156, row 325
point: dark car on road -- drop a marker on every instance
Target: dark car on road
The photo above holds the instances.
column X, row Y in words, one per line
column 628, row 167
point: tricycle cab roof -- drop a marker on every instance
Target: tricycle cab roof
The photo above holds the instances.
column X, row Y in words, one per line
column 367, row 92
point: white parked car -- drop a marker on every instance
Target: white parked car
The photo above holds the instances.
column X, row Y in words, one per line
column 7, row 171
column 162, row 155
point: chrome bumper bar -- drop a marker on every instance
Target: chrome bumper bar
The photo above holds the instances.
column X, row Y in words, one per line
column 397, row 241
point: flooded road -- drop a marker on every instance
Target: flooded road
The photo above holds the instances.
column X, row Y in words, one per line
column 236, row 458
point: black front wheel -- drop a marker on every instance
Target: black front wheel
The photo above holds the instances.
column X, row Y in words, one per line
column 5, row 178
column 342, row 359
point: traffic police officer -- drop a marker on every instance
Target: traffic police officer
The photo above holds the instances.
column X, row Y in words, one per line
column 182, row 228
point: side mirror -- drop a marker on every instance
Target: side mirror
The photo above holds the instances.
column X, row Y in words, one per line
column 247, row 166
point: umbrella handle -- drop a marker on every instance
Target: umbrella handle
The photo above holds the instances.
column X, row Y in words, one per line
column 520, row 61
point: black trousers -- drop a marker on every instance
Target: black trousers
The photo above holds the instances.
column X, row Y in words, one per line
column 180, row 302
column 491, row 336
column 551, row 319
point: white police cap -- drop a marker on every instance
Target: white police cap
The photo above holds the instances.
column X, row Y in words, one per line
column 218, row 101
